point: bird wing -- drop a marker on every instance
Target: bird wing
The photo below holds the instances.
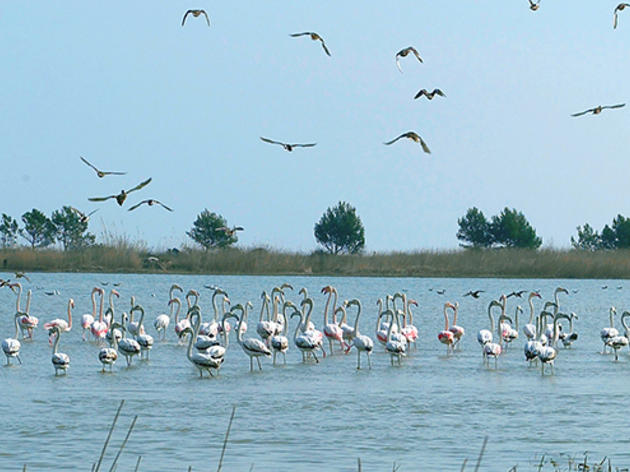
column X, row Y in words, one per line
column 206, row 15
column 398, row 62
column 439, row 92
column 239, row 228
column 267, row 140
column 615, row 19
column 421, row 93
column 101, row 199
column 615, row 106
column 295, row 35
column 185, row 15
column 413, row 50
column 140, row 185
column 425, row 148
column 78, row 212
column 583, row 112
column 325, row 48
column 162, row 205
column 91, row 213
column 113, row 173
column 395, row 139
column 224, row 229
column 304, row 145
column 91, row 165
column 137, row 205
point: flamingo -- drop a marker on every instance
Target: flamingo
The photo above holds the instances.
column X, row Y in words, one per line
column 162, row 321
column 225, row 302
column 60, row 361
column 491, row 349
column 279, row 342
column 409, row 330
column 548, row 354
column 211, row 328
column 346, row 330
column 446, row 336
column 114, row 327
column 606, row 334
column 144, row 340
column 133, row 327
column 63, row 325
column 109, row 355
column 87, row 319
column 458, row 331
column 265, row 328
column 128, row 347
column 509, row 333
column 201, row 360
column 485, row 336
column 395, row 345
column 382, row 326
column 557, row 291
column 307, row 341
column 99, row 327
column 617, row 343
column 180, row 325
column 530, row 329
column 626, row 328
column 27, row 322
column 569, row 338
column 308, row 326
column 254, row 348
column 332, row 331
column 361, row 342
column 11, row 346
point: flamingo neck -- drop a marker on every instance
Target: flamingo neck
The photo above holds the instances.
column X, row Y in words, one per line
column 100, row 308
column 69, row 315
column 445, row 318
column 94, row 303
column 531, row 308
column 330, row 294
column 56, row 343
column 28, row 302
column 356, row 321
column 19, row 296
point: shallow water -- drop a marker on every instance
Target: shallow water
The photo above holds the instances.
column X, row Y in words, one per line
column 429, row 414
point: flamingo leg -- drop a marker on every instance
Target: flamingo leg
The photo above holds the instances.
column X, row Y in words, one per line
column 358, row 360
column 259, row 365
column 315, row 356
column 274, row 357
column 331, row 347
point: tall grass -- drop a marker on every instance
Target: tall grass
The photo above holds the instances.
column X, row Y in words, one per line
column 124, row 256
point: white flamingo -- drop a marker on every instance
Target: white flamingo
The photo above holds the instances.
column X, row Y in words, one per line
column 548, row 354
column 144, row 340
column 201, row 360
column 279, row 342
column 60, row 360
column 307, row 341
column 332, row 331
column 529, row 330
column 569, row 338
column 109, row 355
column 510, row 333
column 361, row 342
column 162, row 321
column 11, row 346
column 211, row 328
column 87, row 319
column 396, row 346
column 254, row 348
column 265, row 327
column 128, row 347
column 485, row 336
column 606, row 334
column 180, row 325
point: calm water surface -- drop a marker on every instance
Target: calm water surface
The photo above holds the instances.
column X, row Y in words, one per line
column 433, row 411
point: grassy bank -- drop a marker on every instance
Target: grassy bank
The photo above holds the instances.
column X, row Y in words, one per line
column 457, row 263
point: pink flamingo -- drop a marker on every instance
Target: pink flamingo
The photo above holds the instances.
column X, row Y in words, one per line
column 445, row 336
column 62, row 325
column 409, row 331
column 457, row 331
column 332, row 331
column 491, row 349
column 28, row 322
column 182, row 325
column 87, row 319
column 99, row 327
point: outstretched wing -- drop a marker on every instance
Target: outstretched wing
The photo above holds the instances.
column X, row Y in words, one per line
column 615, row 19
column 91, row 165
column 395, row 139
column 304, row 145
column 206, row 15
column 615, row 106
column 425, row 148
column 325, row 48
column 185, row 15
column 239, row 228
column 137, row 205
column 421, row 93
column 101, row 199
column 439, row 92
column 271, row 141
column 162, row 205
column 113, row 173
column 590, row 110
column 295, row 35
column 91, row 213
column 398, row 62
column 140, row 185
column 415, row 53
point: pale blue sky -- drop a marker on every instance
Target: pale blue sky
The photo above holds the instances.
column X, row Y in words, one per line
column 130, row 89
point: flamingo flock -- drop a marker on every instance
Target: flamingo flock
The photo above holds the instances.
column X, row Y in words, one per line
column 206, row 342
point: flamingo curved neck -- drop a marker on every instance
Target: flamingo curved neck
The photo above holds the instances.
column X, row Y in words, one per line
column 531, row 308
column 330, row 294
column 100, row 309
column 28, row 302
column 56, row 343
column 196, row 324
column 446, row 307
column 307, row 317
column 94, row 303
column 297, row 328
column 19, row 296
column 356, row 319
column 177, row 301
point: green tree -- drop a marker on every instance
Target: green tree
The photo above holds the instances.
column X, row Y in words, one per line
column 474, row 229
column 206, row 232
column 511, row 229
column 70, row 231
column 621, row 227
column 38, row 230
column 8, row 231
column 340, row 230
column 587, row 238
column 608, row 238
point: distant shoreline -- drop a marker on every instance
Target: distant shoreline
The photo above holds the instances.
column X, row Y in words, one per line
column 503, row 263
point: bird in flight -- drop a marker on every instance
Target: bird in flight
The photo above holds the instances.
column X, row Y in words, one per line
column 230, row 231
column 122, row 196
column 428, row 94
column 314, row 37
column 533, row 6
column 598, row 109
column 196, row 13
column 288, row 147
column 474, row 294
column 83, row 218
column 149, row 202
column 618, row 8
column 414, row 137
column 101, row 173
column 518, row 294
column 19, row 275
column 404, row 53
